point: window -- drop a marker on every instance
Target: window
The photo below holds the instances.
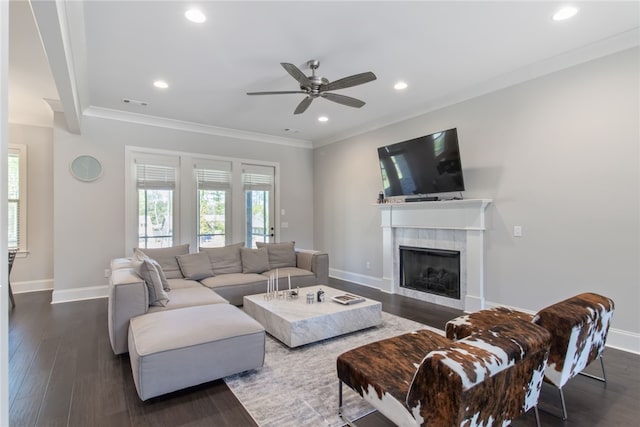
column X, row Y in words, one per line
column 17, row 193
column 213, row 180
column 259, row 207
column 174, row 198
column 156, row 184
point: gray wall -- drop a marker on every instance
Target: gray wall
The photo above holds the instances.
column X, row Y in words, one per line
column 35, row 270
column 558, row 155
column 89, row 222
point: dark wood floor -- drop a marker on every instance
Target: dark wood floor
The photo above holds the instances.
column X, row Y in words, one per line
column 62, row 372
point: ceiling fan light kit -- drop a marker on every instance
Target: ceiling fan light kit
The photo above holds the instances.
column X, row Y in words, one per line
column 319, row 87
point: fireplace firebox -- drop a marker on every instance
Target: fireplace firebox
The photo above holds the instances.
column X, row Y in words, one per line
column 435, row 271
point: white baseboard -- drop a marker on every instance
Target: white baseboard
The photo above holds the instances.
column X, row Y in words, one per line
column 361, row 279
column 78, row 294
column 617, row 338
column 31, row 286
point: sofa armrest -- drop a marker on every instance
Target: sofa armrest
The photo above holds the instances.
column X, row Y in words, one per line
column 128, row 298
column 314, row 261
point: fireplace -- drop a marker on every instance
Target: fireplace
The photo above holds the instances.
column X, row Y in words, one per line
column 434, row 271
column 455, row 225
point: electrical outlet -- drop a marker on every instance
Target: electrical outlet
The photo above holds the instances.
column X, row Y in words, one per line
column 517, row 231
column 368, row 265
column 107, row 273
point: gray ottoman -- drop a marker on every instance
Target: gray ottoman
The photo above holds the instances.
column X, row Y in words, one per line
column 174, row 349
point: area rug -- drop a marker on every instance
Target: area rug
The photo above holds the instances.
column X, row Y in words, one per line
column 299, row 387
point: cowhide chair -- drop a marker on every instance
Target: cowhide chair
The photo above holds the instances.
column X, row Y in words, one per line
column 578, row 325
column 424, row 379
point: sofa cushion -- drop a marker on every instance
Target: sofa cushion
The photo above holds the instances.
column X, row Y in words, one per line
column 233, row 279
column 183, row 283
column 280, row 254
column 195, row 266
column 151, row 276
column 225, row 260
column 285, row 272
column 254, row 260
column 190, row 297
column 166, row 257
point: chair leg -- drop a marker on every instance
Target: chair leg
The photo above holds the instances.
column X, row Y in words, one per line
column 535, row 409
column 13, row 302
column 595, row 377
column 564, row 406
column 340, row 414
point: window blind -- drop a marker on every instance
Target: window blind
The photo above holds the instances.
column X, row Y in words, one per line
column 213, row 176
column 13, row 190
column 257, row 178
column 160, row 177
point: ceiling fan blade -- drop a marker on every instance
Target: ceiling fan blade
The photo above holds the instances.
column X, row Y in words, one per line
column 302, row 107
column 344, row 100
column 280, row 92
column 296, row 74
column 355, row 80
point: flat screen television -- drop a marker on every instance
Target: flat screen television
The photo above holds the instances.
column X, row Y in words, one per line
column 426, row 165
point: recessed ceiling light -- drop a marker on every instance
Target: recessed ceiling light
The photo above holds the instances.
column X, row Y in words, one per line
column 161, row 84
column 400, row 86
column 195, row 15
column 323, row 119
column 565, row 13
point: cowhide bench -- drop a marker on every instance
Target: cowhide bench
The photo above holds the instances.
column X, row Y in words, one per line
column 578, row 325
column 175, row 349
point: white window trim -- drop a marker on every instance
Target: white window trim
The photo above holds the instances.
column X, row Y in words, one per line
column 21, row 150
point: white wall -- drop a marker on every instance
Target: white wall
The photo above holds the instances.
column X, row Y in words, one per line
column 35, row 270
column 89, row 218
column 558, row 155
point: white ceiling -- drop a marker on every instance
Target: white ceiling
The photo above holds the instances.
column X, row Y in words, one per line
column 445, row 51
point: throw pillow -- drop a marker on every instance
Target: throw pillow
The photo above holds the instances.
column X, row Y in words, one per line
column 195, row 266
column 166, row 257
column 254, row 260
column 149, row 273
column 280, row 254
column 225, row 260
column 139, row 257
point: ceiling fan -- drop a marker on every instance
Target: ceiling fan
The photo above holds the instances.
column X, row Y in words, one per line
column 319, row 87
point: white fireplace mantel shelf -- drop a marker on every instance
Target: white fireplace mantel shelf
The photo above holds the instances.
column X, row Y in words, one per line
column 443, row 214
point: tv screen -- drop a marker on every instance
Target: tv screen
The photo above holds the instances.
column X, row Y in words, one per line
column 426, row 165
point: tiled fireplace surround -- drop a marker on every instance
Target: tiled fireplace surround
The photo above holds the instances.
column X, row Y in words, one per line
column 453, row 225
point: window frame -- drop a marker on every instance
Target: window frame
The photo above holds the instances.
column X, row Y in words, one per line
column 21, row 151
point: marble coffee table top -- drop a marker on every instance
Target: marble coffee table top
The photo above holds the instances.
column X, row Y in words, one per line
column 295, row 323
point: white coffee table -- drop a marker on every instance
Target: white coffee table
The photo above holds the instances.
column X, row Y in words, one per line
column 296, row 323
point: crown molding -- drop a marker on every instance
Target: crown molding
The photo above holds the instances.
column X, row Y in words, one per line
column 612, row 45
column 143, row 119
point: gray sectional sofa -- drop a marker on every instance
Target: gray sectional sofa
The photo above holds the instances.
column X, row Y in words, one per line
column 171, row 309
column 211, row 276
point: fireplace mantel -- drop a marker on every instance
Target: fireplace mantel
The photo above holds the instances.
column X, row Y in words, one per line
column 445, row 214
column 451, row 224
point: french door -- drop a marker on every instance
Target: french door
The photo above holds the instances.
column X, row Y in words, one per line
column 259, row 204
